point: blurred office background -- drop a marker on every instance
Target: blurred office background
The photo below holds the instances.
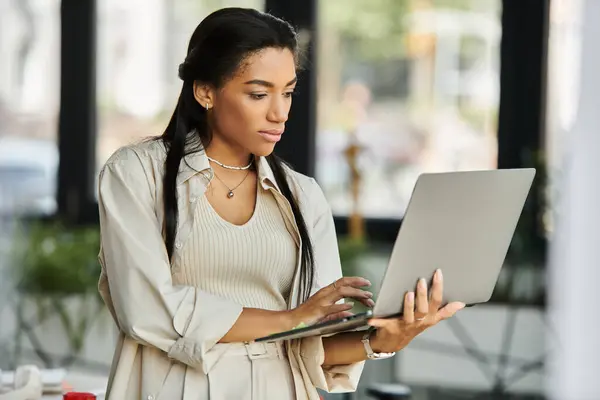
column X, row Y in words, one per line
column 393, row 88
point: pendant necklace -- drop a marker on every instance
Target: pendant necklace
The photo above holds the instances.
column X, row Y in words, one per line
column 230, row 190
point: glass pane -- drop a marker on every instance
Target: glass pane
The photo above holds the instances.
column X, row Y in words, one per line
column 408, row 86
column 29, row 104
column 137, row 64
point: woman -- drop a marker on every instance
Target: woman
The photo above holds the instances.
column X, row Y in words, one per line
column 209, row 241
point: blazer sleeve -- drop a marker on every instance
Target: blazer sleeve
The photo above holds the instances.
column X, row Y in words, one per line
column 182, row 321
column 338, row 378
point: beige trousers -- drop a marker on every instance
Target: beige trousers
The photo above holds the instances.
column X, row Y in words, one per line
column 254, row 371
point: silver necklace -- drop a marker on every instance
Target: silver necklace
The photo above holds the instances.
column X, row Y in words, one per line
column 230, row 191
column 230, row 166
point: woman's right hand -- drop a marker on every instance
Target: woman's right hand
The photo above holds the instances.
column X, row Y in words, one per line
column 322, row 306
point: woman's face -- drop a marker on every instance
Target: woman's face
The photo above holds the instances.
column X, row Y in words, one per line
column 249, row 112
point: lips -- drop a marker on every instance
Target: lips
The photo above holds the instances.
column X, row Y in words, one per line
column 271, row 135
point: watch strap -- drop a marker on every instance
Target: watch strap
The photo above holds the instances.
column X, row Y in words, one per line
column 371, row 355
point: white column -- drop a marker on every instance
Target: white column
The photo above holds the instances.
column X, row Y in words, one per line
column 574, row 364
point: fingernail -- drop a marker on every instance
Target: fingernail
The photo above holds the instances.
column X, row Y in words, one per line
column 367, row 282
column 411, row 296
column 439, row 275
column 371, row 303
column 422, row 284
column 369, row 294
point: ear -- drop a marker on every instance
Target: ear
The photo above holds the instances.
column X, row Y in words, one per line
column 204, row 95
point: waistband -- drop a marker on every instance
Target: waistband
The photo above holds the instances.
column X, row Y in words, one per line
column 254, row 350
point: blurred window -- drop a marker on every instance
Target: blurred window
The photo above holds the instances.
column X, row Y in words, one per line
column 562, row 94
column 412, row 86
column 29, row 104
column 140, row 46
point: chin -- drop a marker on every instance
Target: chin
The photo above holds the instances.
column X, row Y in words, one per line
column 263, row 150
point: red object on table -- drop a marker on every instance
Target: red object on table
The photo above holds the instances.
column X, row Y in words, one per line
column 79, row 396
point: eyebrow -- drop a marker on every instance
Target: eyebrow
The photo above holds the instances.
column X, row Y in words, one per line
column 269, row 84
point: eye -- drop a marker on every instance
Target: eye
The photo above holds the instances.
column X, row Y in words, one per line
column 289, row 94
column 257, row 96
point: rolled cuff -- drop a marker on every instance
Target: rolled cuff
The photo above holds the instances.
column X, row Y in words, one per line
column 332, row 379
column 202, row 320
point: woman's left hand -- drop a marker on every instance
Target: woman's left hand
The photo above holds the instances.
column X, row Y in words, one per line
column 394, row 334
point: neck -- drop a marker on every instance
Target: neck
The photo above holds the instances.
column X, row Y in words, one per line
column 228, row 155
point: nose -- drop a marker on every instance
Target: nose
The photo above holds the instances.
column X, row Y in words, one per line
column 278, row 111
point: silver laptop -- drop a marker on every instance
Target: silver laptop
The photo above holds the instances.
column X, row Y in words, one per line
column 461, row 222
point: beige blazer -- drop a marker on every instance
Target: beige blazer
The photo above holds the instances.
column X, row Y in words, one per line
column 166, row 328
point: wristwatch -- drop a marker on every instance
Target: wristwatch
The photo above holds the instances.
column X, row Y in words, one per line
column 371, row 355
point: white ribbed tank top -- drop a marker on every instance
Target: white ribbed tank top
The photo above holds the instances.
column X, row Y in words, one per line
column 252, row 264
